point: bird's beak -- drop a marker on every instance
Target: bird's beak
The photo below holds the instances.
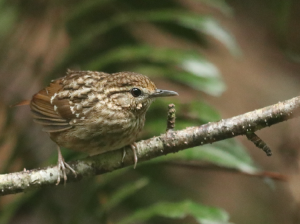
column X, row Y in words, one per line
column 163, row 93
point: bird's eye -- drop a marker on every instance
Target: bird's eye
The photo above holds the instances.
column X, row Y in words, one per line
column 135, row 92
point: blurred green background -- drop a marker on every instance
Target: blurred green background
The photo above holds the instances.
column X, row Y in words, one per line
column 223, row 58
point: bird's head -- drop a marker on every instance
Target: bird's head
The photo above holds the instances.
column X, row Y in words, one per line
column 132, row 91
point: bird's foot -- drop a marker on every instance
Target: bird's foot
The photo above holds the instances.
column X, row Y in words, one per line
column 62, row 166
column 133, row 147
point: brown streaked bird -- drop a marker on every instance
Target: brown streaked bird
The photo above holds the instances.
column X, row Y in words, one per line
column 94, row 112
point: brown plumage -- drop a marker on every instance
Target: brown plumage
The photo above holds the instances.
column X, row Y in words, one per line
column 94, row 112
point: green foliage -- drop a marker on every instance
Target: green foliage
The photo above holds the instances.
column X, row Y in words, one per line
column 106, row 35
column 191, row 68
column 126, row 191
column 221, row 5
column 7, row 19
column 227, row 153
column 179, row 210
column 107, row 39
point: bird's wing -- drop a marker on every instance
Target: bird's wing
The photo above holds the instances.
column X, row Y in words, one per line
column 46, row 113
column 67, row 101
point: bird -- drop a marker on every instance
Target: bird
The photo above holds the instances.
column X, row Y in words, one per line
column 94, row 112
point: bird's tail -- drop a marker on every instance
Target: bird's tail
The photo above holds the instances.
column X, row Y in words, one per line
column 21, row 103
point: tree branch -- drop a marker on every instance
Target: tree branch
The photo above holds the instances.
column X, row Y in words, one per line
column 170, row 142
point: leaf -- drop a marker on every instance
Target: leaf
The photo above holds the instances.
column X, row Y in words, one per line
column 124, row 192
column 200, row 75
column 205, row 112
column 210, row 84
column 220, row 5
column 196, row 71
column 227, row 153
column 204, row 24
column 8, row 18
column 202, row 214
column 83, row 8
column 204, row 76
column 211, row 27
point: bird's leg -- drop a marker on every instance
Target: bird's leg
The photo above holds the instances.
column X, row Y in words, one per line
column 133, row 147
column 62, row 165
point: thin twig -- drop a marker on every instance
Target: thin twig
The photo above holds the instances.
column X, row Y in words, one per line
column 171, row 117
column 259, row 142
